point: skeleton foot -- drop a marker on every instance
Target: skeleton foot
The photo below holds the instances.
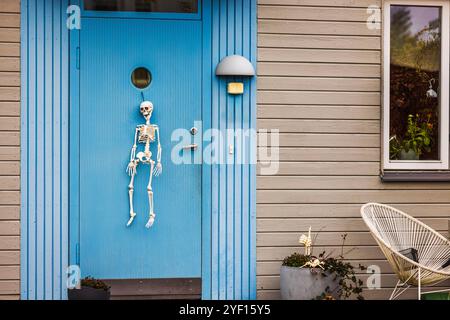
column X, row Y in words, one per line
column 130, row 221
column 150, row 221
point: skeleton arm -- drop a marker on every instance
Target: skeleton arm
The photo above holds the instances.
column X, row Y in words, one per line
column 131, row 168
column 158, row 168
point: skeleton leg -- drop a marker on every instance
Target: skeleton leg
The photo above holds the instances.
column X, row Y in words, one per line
column 152, row 215
column 130, row 195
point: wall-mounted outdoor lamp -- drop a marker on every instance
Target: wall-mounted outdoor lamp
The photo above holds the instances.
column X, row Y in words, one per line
column 235, row 66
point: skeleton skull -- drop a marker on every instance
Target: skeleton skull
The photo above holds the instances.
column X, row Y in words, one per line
column 146, row 108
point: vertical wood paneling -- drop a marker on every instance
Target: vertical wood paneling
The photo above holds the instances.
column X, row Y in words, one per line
column 238, row 166
column 233, row 262
column 9, row 148
column 44, row 167
column 252, row 156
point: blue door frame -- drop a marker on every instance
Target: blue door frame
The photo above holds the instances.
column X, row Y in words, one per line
column 49, row 101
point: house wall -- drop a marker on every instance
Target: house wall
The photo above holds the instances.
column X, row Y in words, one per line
column 318, row 53
column 9, row 148
column 319, row 82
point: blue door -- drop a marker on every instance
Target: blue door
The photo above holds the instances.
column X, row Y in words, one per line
column 110, row 49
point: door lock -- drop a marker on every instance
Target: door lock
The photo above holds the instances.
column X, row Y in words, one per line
column 193, row 131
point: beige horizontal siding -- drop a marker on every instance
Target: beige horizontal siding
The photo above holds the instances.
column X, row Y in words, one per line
column 311, row 55
column 327, row 168
column 9, row 79
column 319, row 97
column 9, row 242
column 9, row 149
column 300, row 69
column 9, row 108
column 322, row 3
column 9, row 20
column 9, row 168
column 312, row 140
column 319, row 84
column 318, row 41
column 312, row 13
column 312, row 84
column 354, row 196
column 319, row 112
column 328, row 210
column 313, row 126
column 9, row 49
column 9, row 257
column 315, row 27
column 347, row 182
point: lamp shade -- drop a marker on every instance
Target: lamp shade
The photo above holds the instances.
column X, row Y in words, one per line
column 235, row 65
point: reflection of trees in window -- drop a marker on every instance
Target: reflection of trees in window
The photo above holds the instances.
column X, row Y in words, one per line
column 415, row 65
column 176, row 6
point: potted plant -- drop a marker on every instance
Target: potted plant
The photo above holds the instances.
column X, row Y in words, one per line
column 90, row 289
column 416, row 141
column 308, row 277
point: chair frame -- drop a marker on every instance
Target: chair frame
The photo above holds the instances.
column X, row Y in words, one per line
column 417, row 272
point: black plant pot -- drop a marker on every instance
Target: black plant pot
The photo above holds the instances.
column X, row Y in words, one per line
column 88, row 293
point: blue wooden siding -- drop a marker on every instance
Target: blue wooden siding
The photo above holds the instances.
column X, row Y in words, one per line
column 229, row 232
column 44, row 149
column 233, row 187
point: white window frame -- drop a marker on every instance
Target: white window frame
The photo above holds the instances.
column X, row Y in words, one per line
column 441, row 164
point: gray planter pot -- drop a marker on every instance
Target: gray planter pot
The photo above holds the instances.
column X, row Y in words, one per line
column 302, row 284
column 410, row 155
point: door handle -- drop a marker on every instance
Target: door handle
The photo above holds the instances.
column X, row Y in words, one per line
column 193, row 146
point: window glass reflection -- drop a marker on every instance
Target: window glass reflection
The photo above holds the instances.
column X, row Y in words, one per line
column 415, row 72
column 169, row 6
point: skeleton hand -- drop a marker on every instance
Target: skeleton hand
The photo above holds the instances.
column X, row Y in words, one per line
column 150, row 221
column 158, row 169
column 130, row 221
column 131, row 168
column 314, row 263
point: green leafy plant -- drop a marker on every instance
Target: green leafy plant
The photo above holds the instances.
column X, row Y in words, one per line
column 418, row 137
column 296, row 260
column 395, row 148
column 418, row 134
column 94, row 283
column 342, row 271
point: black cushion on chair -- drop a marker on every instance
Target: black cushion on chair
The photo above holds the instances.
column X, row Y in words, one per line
column 445, row 265
column 410, row 253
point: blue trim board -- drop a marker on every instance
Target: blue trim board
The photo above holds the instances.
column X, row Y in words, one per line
column 48, row 56
column 206, row 170
column 44, row 154
column 233, row 186
column 74, row 232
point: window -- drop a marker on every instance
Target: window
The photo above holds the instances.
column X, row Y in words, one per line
column 416, row 84
column 167, row 6
column 141, row 77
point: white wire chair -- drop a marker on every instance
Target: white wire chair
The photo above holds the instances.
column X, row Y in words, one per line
column 395, row 231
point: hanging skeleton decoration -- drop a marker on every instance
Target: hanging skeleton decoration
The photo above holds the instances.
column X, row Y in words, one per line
column 431, row 93
column 144, row 134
